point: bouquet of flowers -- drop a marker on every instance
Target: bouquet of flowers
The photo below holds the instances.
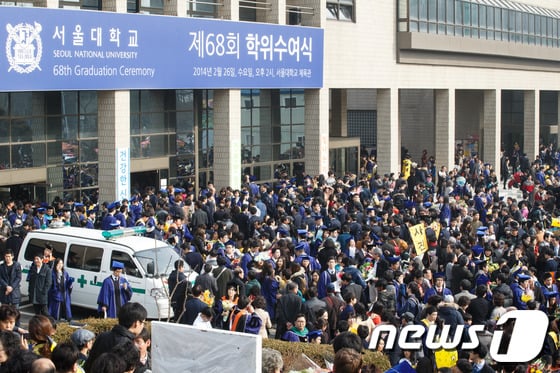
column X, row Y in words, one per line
column 366, row 268
column 525, row 297
column 227, row 305
column 208, row 298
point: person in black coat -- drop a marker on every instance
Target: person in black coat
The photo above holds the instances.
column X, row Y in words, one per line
column 10, row 280
column 40, row 281
column 132, row 318
column 193, row 307
column 479, row 307
column 287, row 308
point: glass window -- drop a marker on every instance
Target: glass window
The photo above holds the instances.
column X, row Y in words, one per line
column 336, row 9
column 497, row 19
column 4, row 130
column 5, row 157
column 432, row 10
column 450, row 11
column 441, row 13
column 21, row 104
column 87, row 258
column 36, row 246
column 482, row 16
column 490, row 17
column 474, row 15
column 4, row 104
column 130, row 268
column 423, row 10
column 458, row 16
column 511, row 20
column 89, row 151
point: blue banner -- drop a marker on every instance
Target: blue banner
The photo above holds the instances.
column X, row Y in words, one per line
column 57, row 49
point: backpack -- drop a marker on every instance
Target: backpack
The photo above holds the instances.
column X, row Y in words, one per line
column 253, row 323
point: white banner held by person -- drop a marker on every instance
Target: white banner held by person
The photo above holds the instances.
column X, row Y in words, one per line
column 185, row 349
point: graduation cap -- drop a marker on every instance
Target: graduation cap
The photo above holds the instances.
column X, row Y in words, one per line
column 477, row 249
column 305, row 257
column 133, row 199
column 115, row 225
column 552, row 294
column 439, row 275
column 314, row 334
column 117, row 265
column 302, row 232
column 318, row 216
column 283, row 232
column 111, row 206
column 41, row 210
column 300, row 246
column 523, row 277
column 393, row 259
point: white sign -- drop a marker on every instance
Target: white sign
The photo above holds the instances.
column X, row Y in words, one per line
column 185, row 349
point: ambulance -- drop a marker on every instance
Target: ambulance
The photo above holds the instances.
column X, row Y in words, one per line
column 88, row 254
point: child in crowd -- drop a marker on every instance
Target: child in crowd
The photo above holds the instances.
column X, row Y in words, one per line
column 143, row 342
column 204, row 319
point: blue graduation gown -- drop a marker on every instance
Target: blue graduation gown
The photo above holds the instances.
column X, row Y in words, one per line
column 107, row 296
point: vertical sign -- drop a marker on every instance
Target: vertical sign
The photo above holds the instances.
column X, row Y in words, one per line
column 418, row 235
column 123, row 173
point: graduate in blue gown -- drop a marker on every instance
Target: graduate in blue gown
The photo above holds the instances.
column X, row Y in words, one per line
column 111, row 298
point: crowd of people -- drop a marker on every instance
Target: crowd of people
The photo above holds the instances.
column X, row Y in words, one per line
column 310, row 259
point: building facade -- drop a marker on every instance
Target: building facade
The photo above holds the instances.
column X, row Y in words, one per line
column 419, row 74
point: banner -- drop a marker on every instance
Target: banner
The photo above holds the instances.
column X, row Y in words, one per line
column 184, row 348
column 418, row 235
column 59, row 49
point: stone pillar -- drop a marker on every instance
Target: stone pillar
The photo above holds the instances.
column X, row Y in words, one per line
column 45, row 3
column 314, row 16
column 444, row 116
column 339, row 113
column 492, row 128
column 118, row 6
column 113, row 111
column 388, row 131
column 316, row 131
column 531, row 124
column 558, row 120
column 175, row 8
column 229, row 10
column 276, row 15
column 227, row 138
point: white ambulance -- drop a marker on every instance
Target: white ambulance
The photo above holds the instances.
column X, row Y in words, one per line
column 88, row 254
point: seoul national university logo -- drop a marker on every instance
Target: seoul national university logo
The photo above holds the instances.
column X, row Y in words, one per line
column 24, row 47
